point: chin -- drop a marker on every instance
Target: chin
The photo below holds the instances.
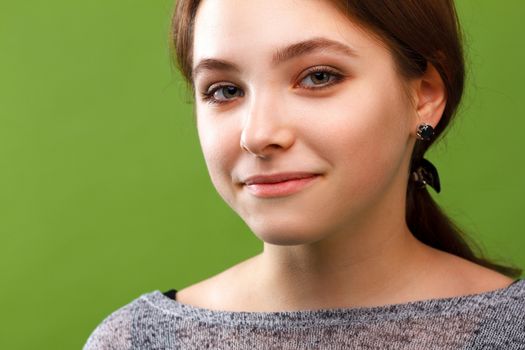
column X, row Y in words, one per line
column 283, row 240
column 279, row 235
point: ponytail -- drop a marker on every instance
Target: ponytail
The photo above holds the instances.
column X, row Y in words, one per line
column 419, row 33
column 430, row 225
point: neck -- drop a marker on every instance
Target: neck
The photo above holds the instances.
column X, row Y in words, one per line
column 370, row 262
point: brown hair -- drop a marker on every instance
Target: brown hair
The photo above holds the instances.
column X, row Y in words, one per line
column 417, row 32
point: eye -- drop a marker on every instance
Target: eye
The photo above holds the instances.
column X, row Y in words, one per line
column 213, row 95
column 322, row 77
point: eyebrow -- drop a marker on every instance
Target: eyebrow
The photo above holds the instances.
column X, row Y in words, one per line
column 281, row 55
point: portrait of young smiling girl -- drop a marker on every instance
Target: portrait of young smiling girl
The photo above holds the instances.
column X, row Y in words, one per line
column 314, row 117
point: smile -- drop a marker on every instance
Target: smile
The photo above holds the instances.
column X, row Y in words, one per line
column 280, row 189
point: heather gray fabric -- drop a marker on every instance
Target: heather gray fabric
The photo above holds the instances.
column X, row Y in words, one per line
column 491, row 320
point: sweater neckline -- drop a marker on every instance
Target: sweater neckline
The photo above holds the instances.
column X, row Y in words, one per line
column 442, row 306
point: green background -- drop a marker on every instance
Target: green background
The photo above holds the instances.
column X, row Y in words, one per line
column 104, row 192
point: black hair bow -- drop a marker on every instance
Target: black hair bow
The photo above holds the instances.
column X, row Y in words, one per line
column 425, row 173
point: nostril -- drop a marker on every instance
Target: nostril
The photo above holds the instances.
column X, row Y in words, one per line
column 257, row 155
column 262, row 142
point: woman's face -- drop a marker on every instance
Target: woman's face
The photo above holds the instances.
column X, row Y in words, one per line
column 349, row 120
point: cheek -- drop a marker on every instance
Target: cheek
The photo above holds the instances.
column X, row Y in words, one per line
column 219, row 150
column 366, row 131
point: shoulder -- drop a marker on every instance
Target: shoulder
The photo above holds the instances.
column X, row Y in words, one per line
column 452, row 275
column 501, row 324
column 489, row 303
column 116, row 331
column 231, row 289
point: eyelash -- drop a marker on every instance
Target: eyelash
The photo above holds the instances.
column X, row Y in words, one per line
column 207, row 96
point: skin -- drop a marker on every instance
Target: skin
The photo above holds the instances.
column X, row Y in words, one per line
column 342, row 241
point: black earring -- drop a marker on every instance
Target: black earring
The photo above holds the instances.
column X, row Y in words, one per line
column 425, row 131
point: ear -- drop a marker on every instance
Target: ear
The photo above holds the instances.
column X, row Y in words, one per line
column 430, row 97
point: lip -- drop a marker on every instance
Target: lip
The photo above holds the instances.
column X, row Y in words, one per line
column 275, row 178
column 287, row 186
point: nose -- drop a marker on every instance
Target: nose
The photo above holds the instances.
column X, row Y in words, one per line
column 266, row 130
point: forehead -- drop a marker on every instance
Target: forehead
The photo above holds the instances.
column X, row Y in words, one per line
column 254, row 29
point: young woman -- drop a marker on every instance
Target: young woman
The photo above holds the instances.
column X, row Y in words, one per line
column 314, row 118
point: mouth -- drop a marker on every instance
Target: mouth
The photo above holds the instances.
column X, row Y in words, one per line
column 277, row 178
column 280, row 187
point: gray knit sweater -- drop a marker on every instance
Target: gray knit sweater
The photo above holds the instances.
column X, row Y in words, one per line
column 490, row 320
